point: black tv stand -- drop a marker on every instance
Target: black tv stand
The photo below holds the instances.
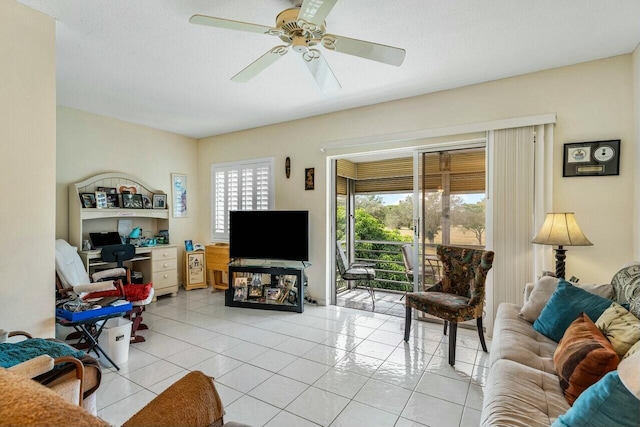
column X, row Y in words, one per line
column 267, row 285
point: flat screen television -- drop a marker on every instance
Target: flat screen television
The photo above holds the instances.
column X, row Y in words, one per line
column 278, row 235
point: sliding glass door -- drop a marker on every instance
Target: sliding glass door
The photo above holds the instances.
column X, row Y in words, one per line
column 449, row 204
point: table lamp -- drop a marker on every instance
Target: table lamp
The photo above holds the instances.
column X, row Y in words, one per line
column 561, row 229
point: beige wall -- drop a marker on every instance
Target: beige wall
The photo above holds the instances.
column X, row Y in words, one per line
column 636, row 119
column 593, row 101
column 89, row 144
column 27, row 169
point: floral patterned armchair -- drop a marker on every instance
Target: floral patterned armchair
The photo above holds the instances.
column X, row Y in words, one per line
column 458, row 296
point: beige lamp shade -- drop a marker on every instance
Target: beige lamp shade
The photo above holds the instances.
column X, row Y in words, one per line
column 561, row 229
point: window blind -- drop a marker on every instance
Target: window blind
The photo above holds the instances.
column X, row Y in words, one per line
column 243, row 186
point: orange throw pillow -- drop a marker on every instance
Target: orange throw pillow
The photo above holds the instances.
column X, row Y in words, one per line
column 583, row 356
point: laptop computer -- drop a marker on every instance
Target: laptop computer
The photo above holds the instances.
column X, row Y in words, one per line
column 105, row 238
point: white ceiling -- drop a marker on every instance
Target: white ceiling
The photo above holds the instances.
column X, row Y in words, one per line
column 143, row 62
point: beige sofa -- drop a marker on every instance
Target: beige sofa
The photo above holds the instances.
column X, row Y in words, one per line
column 522, row 387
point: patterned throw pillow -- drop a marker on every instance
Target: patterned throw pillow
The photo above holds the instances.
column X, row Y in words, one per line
column 632, row 350
column 626, row 286
column 583, row 357
column 620, row 327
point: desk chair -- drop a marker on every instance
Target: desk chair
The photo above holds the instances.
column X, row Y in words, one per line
column 458, row 296
column 119, row 254
column 355, row 271
column 73, row 276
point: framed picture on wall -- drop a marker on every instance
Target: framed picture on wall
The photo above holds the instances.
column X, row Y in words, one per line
column 179, row 193
column 309, row 178
column 596, row 158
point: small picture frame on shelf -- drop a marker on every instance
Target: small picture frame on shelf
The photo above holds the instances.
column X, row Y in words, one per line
column 188, row 245
column 146, row 202
column 159, row 201
column 131, row 201
column 240, row 293
column 240, row 288
column 164, row 234
column 101, row 200
column 108, row 190
column 88, row 200
column 113, row 201
column 255, row 292
column 272, row 295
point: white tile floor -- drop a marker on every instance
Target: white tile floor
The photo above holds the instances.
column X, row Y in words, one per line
column 330, row 366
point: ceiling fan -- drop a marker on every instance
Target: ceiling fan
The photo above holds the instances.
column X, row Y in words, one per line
column 302, row 28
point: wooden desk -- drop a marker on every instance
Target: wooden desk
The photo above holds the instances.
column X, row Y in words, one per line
column 218, row 261
column 158, row 264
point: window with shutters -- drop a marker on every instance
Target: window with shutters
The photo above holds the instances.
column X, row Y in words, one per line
column 245, row 186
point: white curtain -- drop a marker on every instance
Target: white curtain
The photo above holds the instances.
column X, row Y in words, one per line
column 511, row 215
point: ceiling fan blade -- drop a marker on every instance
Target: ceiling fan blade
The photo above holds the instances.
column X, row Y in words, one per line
column 232, row 25
column 260, row 64
column 368, row 50
column 321, row 71
column 315, row 11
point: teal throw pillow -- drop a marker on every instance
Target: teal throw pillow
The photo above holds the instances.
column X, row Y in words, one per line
column 606, row 403
column 565, row 305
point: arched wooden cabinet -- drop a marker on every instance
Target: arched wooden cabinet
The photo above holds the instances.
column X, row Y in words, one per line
column 158, row 264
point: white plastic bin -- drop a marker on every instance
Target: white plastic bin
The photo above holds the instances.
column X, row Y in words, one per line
column 115, row 338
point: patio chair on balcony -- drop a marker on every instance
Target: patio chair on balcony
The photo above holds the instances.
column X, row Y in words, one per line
column 430, row 270
column 355, row 271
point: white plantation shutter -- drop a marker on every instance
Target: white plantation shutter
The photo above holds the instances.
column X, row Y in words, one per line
column 246, row 186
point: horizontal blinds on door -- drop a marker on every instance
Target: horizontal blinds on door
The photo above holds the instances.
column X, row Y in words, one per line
column 346, row 169
column 466, row 171
column 341, row 186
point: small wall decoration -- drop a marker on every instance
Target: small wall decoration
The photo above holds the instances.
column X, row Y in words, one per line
column 309, row 180
column 287, row 167
column 596, row 158
column 179, row 192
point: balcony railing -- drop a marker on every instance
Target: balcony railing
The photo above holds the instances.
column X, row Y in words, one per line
column 385, row 257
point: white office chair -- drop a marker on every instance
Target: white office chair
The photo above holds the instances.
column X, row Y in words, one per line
column 74, row 278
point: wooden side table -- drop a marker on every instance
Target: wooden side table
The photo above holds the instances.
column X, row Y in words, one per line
column 218, row 261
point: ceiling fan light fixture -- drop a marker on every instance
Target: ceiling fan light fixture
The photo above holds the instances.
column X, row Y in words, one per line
column 300, row 44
